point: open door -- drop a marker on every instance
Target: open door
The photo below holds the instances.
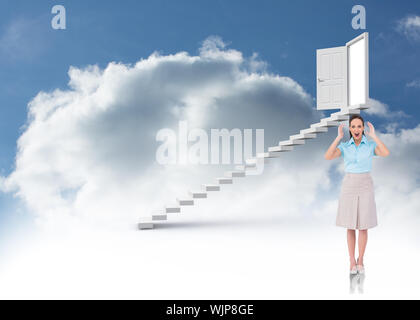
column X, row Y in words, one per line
column 343, row 75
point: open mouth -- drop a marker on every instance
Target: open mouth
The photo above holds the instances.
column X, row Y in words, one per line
column 356, row 135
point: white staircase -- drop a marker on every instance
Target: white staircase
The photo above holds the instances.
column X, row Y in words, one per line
column 250, row 164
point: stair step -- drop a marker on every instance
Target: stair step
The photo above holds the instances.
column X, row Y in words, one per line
column 291, row 142
column 172, row 209
column 358, row 107
column 303, row 136
column 185, row 201
column 235, row 174
column 257, row 160
column 269, row 155
column 280, row 149
column 159, row 215
column 326, row 124
column 330, row 123
column 246, row 166
column 346, row 112
column 198, row 194
column 224, row 180
column 338, row 117
column 253, row 172
column 145, row 223
column 211, row 187
column 314, row 130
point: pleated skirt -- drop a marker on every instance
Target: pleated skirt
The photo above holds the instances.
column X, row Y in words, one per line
column 357, row 206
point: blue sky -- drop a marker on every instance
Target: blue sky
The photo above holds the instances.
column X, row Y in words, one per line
column 285, row 34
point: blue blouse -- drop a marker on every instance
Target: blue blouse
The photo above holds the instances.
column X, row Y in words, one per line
column 358, row 159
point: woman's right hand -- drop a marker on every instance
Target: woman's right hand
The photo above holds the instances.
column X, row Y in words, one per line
column 340, row 133
column 333, row 152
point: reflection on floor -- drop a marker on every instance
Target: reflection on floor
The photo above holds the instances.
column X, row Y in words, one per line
column 357, row 282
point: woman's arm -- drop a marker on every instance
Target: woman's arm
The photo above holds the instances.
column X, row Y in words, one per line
column 333, row 152
column 381, row 149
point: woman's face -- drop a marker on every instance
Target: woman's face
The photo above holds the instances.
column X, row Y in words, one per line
column 356, row 129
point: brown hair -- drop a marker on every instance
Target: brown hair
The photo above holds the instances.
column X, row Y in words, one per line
column 356, row 116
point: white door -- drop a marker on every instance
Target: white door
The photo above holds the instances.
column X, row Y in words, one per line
column 331, row 72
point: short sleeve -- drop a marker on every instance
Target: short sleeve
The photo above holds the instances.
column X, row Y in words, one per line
column 373, row 144
column 340, row 146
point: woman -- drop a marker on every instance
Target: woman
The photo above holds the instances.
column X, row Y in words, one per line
column 356, row 207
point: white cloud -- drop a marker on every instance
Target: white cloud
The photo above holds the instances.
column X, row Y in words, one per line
column 414, row 84
column 88, row 152
column 2, row 187
column 410, row 27
column 397, row 178
column 381, row 109
column 377, row 108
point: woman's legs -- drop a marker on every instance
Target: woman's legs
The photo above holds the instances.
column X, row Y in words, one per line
column 363, row 237
column 351, row 243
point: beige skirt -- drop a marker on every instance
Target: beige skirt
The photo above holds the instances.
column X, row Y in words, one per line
column 356, row 206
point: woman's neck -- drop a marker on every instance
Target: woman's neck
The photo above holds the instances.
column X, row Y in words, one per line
column 357, row 142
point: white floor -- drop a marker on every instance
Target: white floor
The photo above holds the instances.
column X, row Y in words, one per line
column 216, row 258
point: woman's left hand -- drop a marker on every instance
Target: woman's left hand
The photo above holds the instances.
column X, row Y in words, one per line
column 371, row 132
